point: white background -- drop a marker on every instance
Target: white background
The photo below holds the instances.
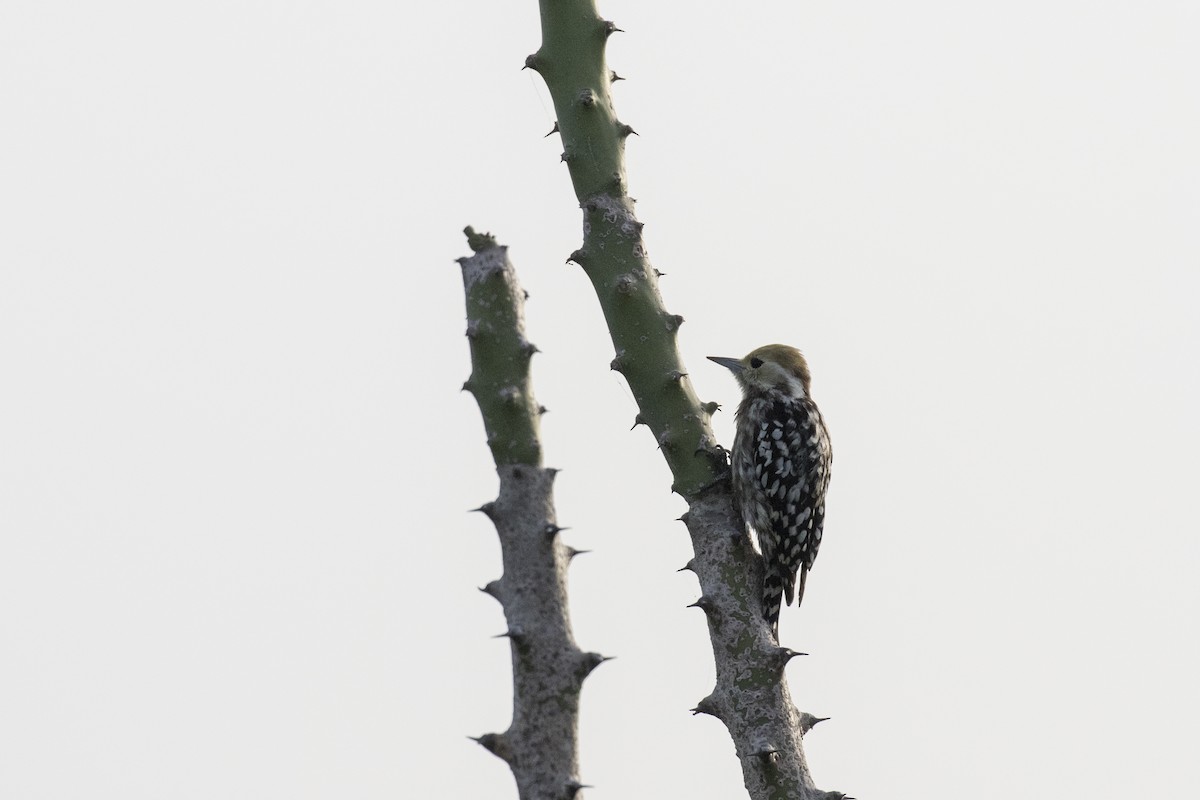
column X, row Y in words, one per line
column 235, row 560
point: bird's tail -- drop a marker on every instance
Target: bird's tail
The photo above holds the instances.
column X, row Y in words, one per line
column 772, row 600
column 778, row 586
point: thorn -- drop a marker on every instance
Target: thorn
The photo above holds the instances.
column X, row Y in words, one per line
column 572, row 552
column 658, row 274
column 610, row 28
column 494, row 743
column 515, row 636
column 710, row 407
column 524, row 294
column 487, row 509
column 587, row 98
column 528, row 348
column 673, row 322
column 565, row 156
column 579, row 257
column 492, row 589
column 533, row 62
column 685, row 516
column 472, row 330
column 808, row 722
column 573, row 787
column 618, row 361
column 675, row 375
column 542, row 410
column 552, row 472
column 624, row 130
column 468, row 387
column 706, row 706
column 783, row 655
column 590, row 661
column 704, row 604
column 638, row 420
column 613, row 77
column 553, row 530
column 690, row 566
column 664, row 441
column 639, row 226
column 553, row 130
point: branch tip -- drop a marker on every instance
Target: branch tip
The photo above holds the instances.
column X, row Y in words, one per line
column 478, row 242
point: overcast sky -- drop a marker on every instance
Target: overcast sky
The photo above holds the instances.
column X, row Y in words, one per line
column 235, row 558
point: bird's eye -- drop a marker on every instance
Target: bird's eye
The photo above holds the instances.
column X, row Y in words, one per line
column 756, row 363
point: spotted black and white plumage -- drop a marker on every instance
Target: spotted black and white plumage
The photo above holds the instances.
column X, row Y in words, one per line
column 781, row 461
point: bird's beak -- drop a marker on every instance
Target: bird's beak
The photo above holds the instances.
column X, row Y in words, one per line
column 734, row 365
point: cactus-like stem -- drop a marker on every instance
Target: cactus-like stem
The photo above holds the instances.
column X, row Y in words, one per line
column 540, row 745
column 500, row 353
column 751, row 695
column 571, row 60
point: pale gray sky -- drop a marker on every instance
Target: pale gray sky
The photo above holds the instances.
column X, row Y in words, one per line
column 235, row 558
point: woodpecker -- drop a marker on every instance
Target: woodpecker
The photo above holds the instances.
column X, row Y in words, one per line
column 781, row 459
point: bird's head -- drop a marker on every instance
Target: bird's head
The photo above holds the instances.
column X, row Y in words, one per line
column 770, row 368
